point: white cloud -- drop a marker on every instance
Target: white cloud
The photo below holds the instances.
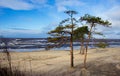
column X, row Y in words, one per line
column 113, row 15
column 38, row 1
column 18, row 31
column 63, row 4
column 22, row 32
column 23, row 4
column 16, row 4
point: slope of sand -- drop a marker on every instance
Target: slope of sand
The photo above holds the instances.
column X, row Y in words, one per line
column 100, row 62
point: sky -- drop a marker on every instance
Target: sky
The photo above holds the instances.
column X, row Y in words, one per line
column 34, row 18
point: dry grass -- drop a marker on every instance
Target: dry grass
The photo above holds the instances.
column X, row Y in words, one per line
column 58, row 62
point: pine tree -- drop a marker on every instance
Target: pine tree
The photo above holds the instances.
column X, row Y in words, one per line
column 92, row 21
column 64, row 32
column 80, row 34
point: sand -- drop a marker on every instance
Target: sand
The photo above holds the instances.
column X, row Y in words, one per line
column 104, row 62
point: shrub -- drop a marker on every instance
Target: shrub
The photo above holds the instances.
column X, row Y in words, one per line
column 102, row 45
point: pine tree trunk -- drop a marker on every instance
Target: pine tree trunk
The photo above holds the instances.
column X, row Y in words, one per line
column 82, row 46
column 71, row 52
column 81, row 49
column 89, row 35
column 71, row 42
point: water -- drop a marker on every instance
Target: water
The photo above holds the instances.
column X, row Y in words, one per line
column 37, row 44
column 57, row 49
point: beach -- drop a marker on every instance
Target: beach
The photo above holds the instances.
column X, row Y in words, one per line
column 105, row 61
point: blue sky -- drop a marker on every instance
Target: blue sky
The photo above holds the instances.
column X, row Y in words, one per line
column 34, row 18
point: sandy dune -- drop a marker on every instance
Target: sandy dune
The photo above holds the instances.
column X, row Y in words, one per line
column 106, row 62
